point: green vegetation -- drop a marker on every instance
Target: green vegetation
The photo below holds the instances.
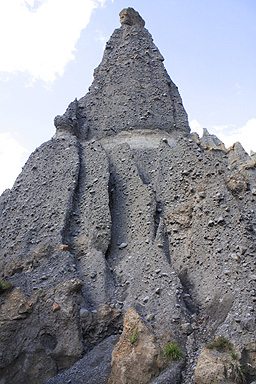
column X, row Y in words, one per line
column 134, row 336
column 172, row 351
column 4, row 285
column 222, row 344
column 234, row 355
column 239, row 374
column 245, row 369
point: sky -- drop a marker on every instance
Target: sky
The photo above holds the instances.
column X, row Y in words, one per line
column 49, row 49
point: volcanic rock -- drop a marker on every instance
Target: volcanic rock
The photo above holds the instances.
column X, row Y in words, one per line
column 124, row 208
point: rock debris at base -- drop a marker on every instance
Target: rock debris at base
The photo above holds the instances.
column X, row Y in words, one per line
column 124, row 233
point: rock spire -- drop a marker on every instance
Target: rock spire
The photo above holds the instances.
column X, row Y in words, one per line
column 131, row 88
column 126, row 230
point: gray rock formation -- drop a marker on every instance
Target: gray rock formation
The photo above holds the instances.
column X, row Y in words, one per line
column 131, row 89
column 130, row 17
column 211, row 141
column 124, row 208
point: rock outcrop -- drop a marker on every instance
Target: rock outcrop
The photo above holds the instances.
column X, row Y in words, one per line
column 137, row 357
column 131, row 89
column 124, row 208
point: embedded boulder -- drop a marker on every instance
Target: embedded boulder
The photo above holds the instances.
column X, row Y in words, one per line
column 215, row 367
column 137, row 357
column 130, row 17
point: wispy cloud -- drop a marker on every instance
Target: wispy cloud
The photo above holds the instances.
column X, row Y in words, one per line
column 12, row 158
column 38, row 37
column 238, row 88
column 99, row 37
column 230, row 134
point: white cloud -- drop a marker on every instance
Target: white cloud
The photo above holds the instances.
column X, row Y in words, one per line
column 12, row 158
column 39, row 36
column 196, row 127
column 245, row 134
column 230, row 134
column 220, row 128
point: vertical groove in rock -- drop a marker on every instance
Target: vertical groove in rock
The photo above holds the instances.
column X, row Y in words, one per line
column 90, row 224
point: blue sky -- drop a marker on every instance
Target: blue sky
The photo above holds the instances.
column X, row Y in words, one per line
column 49, row 49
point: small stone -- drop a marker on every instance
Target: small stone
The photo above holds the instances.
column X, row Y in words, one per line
column 248, row 324
column 186, row 328
column 84, row 313
column 63, row 247
column 243, row 250
column 202, row 194
column 158, row 270
column 220, row 220
column 146, row 299
column 25, row 308
column 122, row 245
column 210, row 223
column 235, row 257
column 55, row 307
column 157, row 291
column 150, row 317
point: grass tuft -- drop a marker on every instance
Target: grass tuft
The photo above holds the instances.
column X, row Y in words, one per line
column 5, row 285
column 222, row 344
column 134, row 336
column 172, row 351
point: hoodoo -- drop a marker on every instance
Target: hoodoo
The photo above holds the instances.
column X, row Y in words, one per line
column 127, row 250
column 131, row 89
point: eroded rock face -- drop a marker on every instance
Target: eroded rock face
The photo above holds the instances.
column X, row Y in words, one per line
column 124, row 208
column 131, row 89
column 137, row 357
column 214, row 367
column 41, row 331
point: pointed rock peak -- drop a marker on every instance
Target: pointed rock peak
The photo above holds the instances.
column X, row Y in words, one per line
column 131, row 17
column 211, row 141
column 131, row 89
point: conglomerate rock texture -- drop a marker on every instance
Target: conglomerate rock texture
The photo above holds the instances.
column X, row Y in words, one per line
column 125, row 210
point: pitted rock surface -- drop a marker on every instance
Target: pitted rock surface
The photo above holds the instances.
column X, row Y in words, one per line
column 130, row 17
column 131, row 89
column 124, row 208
